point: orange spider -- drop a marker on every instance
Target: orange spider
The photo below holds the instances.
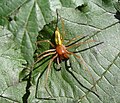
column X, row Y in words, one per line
column 60, row 52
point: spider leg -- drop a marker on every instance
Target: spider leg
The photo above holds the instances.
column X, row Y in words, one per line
column 69, row 43
column 47, row 51
column 36, row 91
column 48, row 70
column 63, row 28
column 62, row 22
column 86, row 68
column 89, row 90
column 43, row 56
column 78, row 44
column 88, row 48
column 46, row 41
column 58, row 62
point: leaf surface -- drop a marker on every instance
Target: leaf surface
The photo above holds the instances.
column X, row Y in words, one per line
column 23, row 22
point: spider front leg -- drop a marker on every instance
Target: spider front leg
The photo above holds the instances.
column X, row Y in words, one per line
column 62, row 22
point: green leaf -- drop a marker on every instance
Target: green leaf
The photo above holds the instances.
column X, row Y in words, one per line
column 23, row 22
column 117, row 6
column 11, row 90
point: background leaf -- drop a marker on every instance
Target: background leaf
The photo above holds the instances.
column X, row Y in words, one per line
column 22, row 21
column 11, row 90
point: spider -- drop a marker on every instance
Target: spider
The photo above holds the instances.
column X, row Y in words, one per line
column 60, row 52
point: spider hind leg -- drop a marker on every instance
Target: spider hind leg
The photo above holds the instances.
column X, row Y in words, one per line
column 86, row 69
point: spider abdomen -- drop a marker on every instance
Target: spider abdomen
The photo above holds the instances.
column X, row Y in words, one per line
column 62, row 52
